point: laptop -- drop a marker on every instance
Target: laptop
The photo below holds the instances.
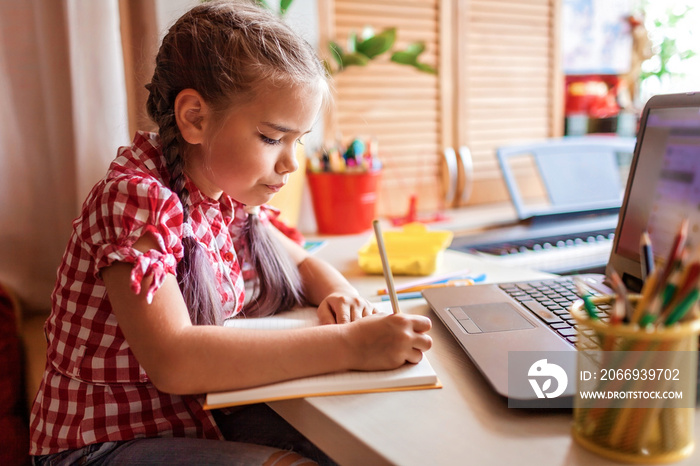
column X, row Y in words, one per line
column 494, row 323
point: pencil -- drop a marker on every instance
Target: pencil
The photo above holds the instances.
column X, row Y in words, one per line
column 401, row 295
column 588, row 305
column 648, row 293
column 676, row 251
column 646, row 255
column 683, row 307
column 388, row 276
column 437, row 280
column 621, row 310
column 450, row 283
column 687, row 281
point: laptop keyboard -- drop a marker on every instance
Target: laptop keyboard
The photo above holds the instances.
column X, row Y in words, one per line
column 550, row 301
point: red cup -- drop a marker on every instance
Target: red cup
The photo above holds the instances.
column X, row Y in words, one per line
column 344, row 203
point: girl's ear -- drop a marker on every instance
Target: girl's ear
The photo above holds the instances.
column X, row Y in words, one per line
column 191, row 112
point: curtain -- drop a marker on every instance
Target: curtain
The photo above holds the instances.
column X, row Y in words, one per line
column 63, row 96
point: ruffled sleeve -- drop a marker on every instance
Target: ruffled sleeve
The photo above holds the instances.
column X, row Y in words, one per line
column 123, row 210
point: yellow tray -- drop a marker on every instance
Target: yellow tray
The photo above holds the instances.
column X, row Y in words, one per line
column 411, row 251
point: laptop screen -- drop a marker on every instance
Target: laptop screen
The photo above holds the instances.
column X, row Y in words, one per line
column 664, row 183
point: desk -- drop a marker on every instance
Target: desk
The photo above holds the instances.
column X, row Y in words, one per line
column 463, row 423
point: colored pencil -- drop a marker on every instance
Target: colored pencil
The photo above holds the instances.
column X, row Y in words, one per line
column 676, row 251
column 646, row 255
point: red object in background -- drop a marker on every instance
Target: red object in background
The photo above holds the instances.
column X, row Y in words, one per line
column 344, row 203
column 14, row 425
column 412, row 215
column 592, row 95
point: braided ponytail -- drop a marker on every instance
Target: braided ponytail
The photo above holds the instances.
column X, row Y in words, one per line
column 279, row 275
column 195, row 274
column 223, row 50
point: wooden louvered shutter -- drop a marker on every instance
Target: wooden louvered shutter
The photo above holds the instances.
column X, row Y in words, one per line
column 510, row 84
column 397, row 104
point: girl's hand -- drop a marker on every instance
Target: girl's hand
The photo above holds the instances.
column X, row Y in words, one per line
column 342, row 308
column 388, row 341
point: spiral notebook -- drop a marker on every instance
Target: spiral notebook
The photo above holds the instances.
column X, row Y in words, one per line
column 407, row 377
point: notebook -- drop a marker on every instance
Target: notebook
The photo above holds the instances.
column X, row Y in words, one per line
column 407, row 377
column 496, row 329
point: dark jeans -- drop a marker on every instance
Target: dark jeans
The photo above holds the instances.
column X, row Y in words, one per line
column 254, row 433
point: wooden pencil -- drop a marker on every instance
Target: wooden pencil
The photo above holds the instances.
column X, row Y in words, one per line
column 388, row 276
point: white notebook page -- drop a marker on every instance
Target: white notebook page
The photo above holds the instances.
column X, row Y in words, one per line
column 421, row 375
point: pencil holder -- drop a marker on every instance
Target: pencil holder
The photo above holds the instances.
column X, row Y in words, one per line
column 636, row 387
column 344, row 203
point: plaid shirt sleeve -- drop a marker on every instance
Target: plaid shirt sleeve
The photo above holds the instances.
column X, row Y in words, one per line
column 126, row 209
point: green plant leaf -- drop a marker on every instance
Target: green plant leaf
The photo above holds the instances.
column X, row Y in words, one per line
column 416, row 48
column 336, row 52
column 345, row 59
column 367, row 32
column 328, row 67
column 426, row 68
column 350, row 59
column 410, row 55
column 404, row 58
column 284, row 6
column 377, row 44
column 352, row 42
column 410, row 59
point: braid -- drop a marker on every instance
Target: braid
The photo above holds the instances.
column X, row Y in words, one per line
column 171, row 150
column 279, row 282
column 195, row 274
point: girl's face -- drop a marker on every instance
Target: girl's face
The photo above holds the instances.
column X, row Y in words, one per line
column 251, row 153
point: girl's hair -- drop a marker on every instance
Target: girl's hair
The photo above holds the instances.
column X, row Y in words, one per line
column 224, row 50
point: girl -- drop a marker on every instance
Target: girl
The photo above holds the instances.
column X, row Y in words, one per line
column 164, row 248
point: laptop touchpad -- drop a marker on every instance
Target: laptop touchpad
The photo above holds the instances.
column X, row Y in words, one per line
column 490, row 317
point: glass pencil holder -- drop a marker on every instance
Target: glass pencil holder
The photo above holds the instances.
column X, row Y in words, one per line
column 636, row 387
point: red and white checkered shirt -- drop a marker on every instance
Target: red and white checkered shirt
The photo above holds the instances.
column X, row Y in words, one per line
column 94, row 389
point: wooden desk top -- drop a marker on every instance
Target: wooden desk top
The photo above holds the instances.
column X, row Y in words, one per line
column 465, row 422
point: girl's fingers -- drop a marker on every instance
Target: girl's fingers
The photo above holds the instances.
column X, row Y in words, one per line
column 343, row 313
column 422, row 324
column 423, row 342
column 415, row 356
column 356, row 313
column 325, row 315
column 350, row 310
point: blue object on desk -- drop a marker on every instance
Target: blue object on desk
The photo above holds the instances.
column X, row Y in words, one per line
column 477, row 279
column 419, row 294
column 409, row 295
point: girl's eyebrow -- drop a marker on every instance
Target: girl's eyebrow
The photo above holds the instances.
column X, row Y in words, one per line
column 282, row 129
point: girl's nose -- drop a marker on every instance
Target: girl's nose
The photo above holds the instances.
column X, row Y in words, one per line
column 287, row 162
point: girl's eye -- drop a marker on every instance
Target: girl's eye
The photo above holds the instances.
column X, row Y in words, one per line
column 270, row 141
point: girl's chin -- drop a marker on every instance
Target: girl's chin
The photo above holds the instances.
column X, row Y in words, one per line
column 256, row 199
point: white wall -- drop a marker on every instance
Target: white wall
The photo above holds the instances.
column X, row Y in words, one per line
column 302, row 15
